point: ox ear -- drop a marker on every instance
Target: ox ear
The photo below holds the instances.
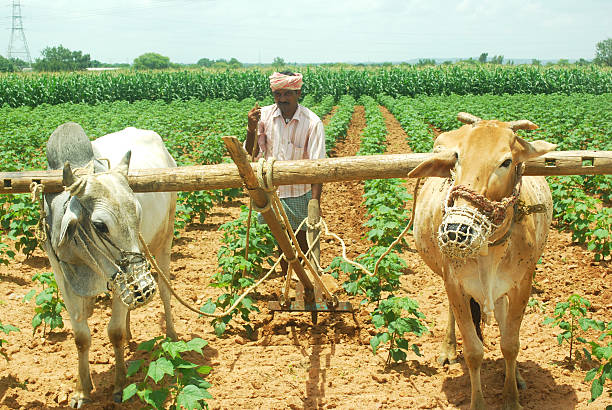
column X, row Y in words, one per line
column 439, row 165
column 69, row 222
column 123, row 165
column 528, row 150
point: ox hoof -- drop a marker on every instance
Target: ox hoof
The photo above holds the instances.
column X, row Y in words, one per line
column 445, row 359
column 77, row 401
column 512, row 406
column 118, row 396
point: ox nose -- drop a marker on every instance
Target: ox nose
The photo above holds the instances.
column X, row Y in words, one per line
column 458, row 232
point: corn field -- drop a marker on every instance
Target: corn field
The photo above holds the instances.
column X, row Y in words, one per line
column 32, row 90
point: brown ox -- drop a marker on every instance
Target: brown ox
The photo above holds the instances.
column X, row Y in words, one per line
column 483, row 230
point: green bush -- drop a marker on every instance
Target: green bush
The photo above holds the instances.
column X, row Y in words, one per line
column 169, row 376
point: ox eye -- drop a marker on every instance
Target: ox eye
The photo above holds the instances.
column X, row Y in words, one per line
column 506, row 163
column 100, row 227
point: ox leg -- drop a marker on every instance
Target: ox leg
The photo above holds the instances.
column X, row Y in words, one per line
column 511, row 314
column 472, row 345
column 117, row 335
column 128, row 329
column 82, row 339
column 163, row 261
column 79, row 309
column 448, row 352
column 501, row 312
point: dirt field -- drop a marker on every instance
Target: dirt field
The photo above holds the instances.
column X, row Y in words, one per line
column 293, row 364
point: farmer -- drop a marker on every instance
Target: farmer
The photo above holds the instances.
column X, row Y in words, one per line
column 288, row 131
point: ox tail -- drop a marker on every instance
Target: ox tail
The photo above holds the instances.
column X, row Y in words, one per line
column 476, row 317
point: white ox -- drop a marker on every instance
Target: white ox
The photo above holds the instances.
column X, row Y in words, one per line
column 93, row 235
column 483, row 230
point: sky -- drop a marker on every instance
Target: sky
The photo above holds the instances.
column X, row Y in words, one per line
column 313, row 31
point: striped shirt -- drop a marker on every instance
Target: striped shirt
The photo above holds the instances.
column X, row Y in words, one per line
column 301, row 138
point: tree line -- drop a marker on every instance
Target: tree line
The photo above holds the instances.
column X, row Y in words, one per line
column 60, row 58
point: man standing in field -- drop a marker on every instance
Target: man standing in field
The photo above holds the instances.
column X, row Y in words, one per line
column 288, row 131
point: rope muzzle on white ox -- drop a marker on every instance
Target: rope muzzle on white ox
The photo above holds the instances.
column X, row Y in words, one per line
column 465, row 230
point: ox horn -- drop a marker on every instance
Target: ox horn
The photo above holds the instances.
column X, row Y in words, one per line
column 467, row 118
column 68, row 177
column 522, row 125
column 73, row 184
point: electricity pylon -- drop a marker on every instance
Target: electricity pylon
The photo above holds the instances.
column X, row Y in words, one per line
column 18, row 46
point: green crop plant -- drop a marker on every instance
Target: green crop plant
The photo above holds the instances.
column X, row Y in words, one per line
column 374, row 136
column 536, row 305
column 18, row 219
column 337, row 127
column 583, row 215
column 6, row 253
column 49, row 305
column 601, row 374
column 387, row 278
column 6, row 329
column 196, row 204
column 169, row 377
column 237, row 272
column 571, row 317
column 385, row 201
column 395, row 318
column 324, row 107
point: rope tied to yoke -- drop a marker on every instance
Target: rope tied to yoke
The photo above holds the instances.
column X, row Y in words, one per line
column 40, row 230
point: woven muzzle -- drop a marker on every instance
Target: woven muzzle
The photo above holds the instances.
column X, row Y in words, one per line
column 465, row 230
column 134, row 283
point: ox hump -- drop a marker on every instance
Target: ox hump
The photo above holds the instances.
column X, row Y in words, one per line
column 68, row 143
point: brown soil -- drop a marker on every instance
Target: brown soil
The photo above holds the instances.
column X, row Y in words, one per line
column 293, row 364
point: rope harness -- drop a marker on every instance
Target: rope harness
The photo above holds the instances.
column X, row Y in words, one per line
column 494, row 211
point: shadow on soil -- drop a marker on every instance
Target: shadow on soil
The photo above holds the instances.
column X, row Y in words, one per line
column 317, row 373
column 37, row 262
column 542, row 391
column 6, row 383
column 17, row 280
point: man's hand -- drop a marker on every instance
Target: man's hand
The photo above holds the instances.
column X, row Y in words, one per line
column 316, row 194
column 254, row 116
column 253, row 119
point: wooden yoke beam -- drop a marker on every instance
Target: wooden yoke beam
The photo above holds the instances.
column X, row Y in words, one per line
column 239, row 155
column 316, row 171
